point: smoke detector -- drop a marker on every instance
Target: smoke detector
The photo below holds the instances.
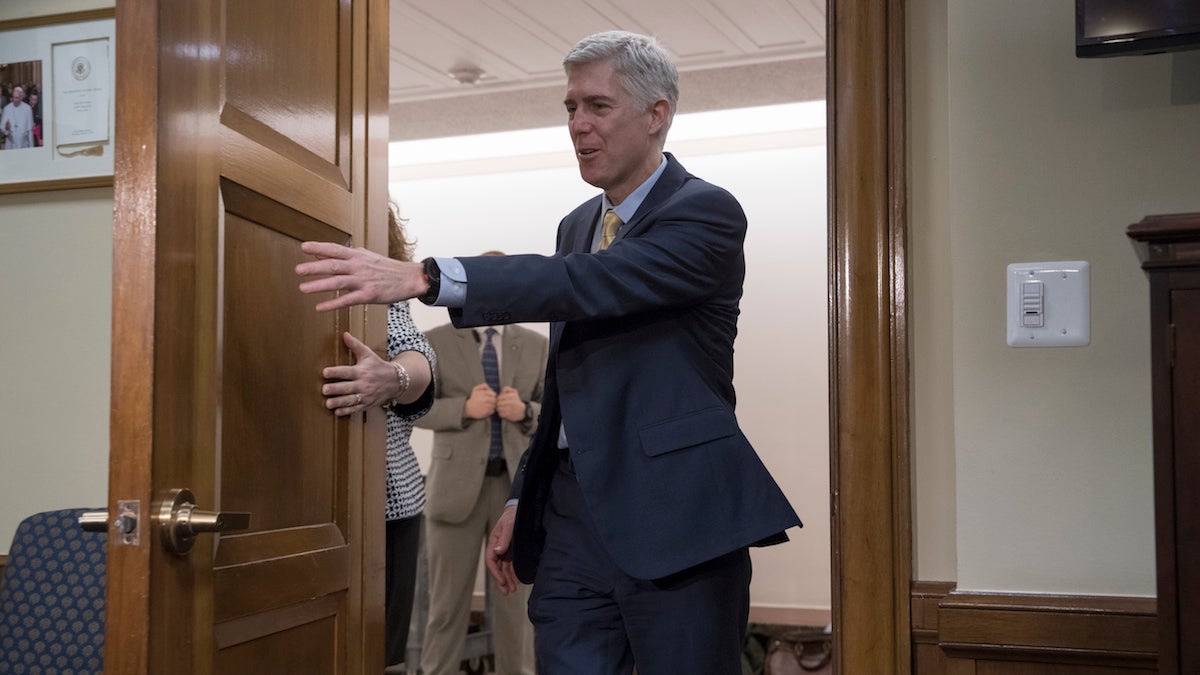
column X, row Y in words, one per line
column 467, row 75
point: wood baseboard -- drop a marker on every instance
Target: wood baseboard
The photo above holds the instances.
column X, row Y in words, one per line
column 1055, row 630
column 790, row 616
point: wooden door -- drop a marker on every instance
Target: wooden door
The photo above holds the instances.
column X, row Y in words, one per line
column 243, row 128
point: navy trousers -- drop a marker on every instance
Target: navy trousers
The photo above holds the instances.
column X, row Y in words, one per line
column 590, row 618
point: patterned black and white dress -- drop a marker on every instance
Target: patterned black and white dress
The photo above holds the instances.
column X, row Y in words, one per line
column 405, row 486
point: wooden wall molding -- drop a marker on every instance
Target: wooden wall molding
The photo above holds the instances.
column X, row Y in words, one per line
column 1064, row 629
column 1110, row 631
column 926, row 595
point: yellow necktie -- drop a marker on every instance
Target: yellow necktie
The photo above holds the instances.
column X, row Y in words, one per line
column 612, row 223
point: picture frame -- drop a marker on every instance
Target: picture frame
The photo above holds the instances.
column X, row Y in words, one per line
column 59, row 134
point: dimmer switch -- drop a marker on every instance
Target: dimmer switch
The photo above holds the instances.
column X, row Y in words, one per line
column 1031, row 304
column 1049, row 304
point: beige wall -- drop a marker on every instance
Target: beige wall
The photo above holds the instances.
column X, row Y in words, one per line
column 1020, row 152
column 56, row 272
column 931, row 320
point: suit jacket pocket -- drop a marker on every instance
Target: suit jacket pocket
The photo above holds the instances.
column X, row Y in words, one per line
column 688, row 430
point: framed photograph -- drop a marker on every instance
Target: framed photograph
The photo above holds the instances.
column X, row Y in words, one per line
column 56, row 101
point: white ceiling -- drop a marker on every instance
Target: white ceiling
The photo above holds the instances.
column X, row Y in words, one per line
column 519, row 45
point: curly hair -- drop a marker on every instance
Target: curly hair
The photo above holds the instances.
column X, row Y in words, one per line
column 400, row 246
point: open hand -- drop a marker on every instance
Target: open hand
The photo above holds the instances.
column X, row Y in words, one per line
column 368, row 383
column 366, row 277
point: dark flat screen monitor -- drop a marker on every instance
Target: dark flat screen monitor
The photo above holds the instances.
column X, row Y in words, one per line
column 1120, row 27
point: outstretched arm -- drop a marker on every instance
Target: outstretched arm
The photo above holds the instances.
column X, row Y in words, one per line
column 363, row 277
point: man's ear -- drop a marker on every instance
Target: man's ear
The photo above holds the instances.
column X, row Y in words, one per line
column 659, row 113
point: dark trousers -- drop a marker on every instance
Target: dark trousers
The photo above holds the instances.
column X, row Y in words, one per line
column 400, row 576
column 590, row 618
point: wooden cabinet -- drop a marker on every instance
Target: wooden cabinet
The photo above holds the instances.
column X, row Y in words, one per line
column 1170, row 251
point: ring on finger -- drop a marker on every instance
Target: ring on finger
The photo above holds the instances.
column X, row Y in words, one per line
column 358, row 399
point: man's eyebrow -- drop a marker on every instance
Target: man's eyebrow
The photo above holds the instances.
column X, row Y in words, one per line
column 595, row 98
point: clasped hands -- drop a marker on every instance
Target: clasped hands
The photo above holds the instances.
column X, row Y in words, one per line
column 359, row 276
column 483, row 401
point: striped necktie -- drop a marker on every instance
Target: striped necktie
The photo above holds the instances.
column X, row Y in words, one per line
column 491, row 375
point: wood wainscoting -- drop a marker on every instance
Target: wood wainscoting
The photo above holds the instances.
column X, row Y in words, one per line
column 969, row 633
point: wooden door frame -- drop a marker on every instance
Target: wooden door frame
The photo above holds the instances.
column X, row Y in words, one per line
column 870, row 485
column 131, row 421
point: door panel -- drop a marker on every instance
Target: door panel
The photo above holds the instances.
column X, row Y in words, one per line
column 243, row 131
column 297, row 649
column 274, row 423
column 264, row 162
column 287, row 68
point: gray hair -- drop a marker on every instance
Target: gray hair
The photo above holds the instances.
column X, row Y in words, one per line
column 645, row 68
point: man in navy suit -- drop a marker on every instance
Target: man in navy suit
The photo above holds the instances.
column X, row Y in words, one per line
column 639, row 496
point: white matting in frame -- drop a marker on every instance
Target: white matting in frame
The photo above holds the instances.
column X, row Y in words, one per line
column 72, row 146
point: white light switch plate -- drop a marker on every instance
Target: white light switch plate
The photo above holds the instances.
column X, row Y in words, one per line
column 1066, row 306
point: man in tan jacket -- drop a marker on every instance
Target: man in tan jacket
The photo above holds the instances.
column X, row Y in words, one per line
column 469, row 479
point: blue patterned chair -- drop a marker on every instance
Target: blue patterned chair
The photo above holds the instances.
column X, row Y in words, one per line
column 52, row 598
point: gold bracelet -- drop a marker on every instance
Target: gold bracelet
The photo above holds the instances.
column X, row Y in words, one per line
column 405, row 381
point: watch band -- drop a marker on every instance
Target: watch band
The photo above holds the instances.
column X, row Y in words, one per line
column 433, row 277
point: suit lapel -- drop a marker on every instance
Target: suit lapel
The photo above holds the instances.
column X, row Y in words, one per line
column 673, row 177
column 578, row 235
column 468, row 354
